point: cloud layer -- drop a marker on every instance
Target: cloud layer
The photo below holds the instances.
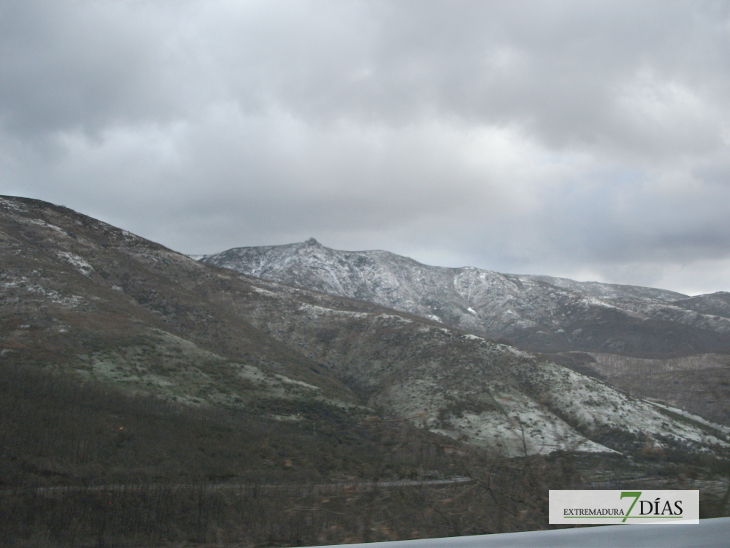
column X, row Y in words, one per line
column 584, row 139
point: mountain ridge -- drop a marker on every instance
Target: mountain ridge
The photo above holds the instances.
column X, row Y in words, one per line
column 540, row 313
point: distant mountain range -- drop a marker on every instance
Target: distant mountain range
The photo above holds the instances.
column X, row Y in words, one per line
column 587, row 326
column 540, row 313
column 92, row 301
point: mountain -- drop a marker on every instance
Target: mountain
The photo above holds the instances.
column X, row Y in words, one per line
column 539, row 313
column 716, row 304
column 593, row 328
column 97, row 302
column 107, row 304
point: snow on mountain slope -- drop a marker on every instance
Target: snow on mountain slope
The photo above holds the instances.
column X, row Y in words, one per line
column 541, row 313
column 466, row 387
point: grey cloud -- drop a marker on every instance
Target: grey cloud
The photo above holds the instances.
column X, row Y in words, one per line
column 540, row 137
column 82, row 65
column 561, row 69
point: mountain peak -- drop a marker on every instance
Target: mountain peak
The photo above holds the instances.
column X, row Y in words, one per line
column 312, row 242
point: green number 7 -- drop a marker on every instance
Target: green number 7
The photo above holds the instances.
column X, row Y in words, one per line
column 636, row 495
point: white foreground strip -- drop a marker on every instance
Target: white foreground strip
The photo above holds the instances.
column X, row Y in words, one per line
column 710, row 533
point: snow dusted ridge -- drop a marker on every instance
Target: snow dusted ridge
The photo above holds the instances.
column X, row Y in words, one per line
column 541, row 313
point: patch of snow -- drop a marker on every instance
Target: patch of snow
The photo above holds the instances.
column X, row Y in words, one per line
column 287, row 418
column 40, row 222
column 261, row 291
column 13, row 205
column 321, row 310
column 287, row 380
column 77, row 262
column 51, row 294
column 519, row 353
column 392, row 317
column 721, row 427
column 593, row 404
column 130, row 237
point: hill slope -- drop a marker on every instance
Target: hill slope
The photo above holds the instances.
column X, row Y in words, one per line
column 596, row 329
column 85, row 298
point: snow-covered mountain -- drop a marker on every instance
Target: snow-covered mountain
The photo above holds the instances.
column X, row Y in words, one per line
column 540, row 313
column 94, row 302
column 653, row 343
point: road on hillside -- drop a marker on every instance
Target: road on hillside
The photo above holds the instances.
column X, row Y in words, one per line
column 230, row 486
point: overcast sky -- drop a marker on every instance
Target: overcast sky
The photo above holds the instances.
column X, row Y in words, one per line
column 589, row 140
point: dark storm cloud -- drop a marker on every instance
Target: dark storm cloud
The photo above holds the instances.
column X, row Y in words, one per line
column 585, row 139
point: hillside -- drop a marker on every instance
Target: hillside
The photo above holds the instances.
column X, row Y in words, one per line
column 86, row 298
column 577, row 324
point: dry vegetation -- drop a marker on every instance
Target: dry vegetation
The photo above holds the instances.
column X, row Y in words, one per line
column 85, row 465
